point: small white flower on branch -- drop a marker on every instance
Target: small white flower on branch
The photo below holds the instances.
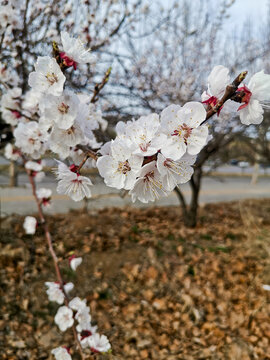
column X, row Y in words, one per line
column 11, row 153
column 99, row 343
column 255, row 93
column 182, row 127
column 149, row 186
column 266, row 287
column 84, row 336
column 74, row 262
column 30, row 225
column 44, row 195
column 74, row 51
column 84, row 319
column 142, row 135
column 64, row 318
column 55, row 292
column 48, row 77
column 34, row 166
column 61, row 353
column 62, row 109
column 121, row 168
column 77, row 304
column 72, row 183
column 31, row 139
column 217, row 81
column 175, row 172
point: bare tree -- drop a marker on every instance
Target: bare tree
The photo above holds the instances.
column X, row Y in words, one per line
column 170, row 67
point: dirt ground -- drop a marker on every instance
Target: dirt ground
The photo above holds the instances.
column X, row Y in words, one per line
column 157, row 289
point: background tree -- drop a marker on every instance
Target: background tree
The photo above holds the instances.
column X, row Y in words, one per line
column 171, row 68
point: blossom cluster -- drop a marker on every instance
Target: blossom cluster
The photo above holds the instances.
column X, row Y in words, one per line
column 75, row 311
column 49, row 117
column 153, row 154
column 253, row 96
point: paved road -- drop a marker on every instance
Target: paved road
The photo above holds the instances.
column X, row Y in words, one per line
column 20, row 201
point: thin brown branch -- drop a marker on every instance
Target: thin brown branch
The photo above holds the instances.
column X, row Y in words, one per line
column 100, row 86
column 88, row 152
column 86, row 157
column 53, row 254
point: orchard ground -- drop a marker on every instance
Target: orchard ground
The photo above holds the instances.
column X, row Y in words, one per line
column 158, row 290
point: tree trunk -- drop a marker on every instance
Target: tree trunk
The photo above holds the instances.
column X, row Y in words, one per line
column 255, row 174
column 190, row 218
column 190, row 212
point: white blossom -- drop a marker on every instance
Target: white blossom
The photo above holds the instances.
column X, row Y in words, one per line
column 256, row 93
column 55, row 292
column 72, row 183
column 77, row 304
column 182, row 127
column 266, row 287
column 61, row 109
column 61, row 353
column 175, row 172
column 74, row 51
column 44, row 193
column 30, row 138
column 74, row 262
column 31, row 101
column 11, row 153
column 64, row 139
column 121, row 168
column 217, row 81
column 29, row 225
column 33, row 166
column 84, row 319
column 48, row 77
column 149, row 186
column 64, row 318
column 142, row 135
column 99, row 343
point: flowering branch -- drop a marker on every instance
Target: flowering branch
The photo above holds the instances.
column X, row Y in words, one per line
column 229, row 94
column 53, row 254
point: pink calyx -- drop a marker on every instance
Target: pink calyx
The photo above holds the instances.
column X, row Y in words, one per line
column 67, row 348
column 68, row 61
column 246, row 97
column 85, row 334
column 71, row 258
column 45, row 201
column 212, row 101
column 16, row 114
column 74, row 168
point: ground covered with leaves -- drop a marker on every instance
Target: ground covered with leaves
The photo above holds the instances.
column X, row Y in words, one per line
column 158, row 290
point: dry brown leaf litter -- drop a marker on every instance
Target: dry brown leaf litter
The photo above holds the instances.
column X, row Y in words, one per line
column 157, row 289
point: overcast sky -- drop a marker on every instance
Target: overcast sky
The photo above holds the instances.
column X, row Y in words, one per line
column 255, row 10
